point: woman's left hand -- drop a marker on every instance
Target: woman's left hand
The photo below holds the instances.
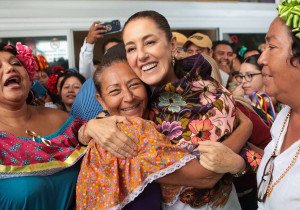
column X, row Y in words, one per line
column 217, row 157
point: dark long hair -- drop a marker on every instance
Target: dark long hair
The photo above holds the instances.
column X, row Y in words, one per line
column 253, row 60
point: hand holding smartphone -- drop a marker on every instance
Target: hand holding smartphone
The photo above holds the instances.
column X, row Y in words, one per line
column 112, row 27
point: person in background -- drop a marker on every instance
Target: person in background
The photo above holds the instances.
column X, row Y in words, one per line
column 198, row 43
column 69, row 88
column 40, row 153
column 180, row 40
column 251, row 80
column 279, row 172
column 86, row 65
column 224, row 56
column 201, row 44
column 56, row 76
column 251, row 52
column 88, row 91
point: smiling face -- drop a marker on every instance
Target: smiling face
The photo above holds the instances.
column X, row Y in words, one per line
column 256, row 83
column 223, row 54
column 70, row 90
column 149, row 52
column 280, row 78
column 15, row 82
column 122, row 92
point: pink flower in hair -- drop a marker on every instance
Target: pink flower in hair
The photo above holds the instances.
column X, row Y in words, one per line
column 27, row 59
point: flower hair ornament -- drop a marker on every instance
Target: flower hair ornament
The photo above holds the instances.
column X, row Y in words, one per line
column 42, row 62
column 56, row 72
column 289, row 11
column 25, row 56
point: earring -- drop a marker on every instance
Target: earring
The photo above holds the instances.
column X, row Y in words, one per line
column 173, row 60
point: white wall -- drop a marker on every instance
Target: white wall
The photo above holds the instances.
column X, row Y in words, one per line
column 20, row 18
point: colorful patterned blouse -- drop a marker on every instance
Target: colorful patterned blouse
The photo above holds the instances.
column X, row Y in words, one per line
column 192, row 109
column 36, row 176
column 106, row 182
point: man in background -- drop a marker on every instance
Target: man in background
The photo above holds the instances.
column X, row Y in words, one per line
column 198, row 43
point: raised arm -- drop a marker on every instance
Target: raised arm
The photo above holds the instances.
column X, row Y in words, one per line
column 86, row 66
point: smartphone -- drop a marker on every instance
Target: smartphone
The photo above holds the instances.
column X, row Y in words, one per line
column 112, row 27
column 38, row 89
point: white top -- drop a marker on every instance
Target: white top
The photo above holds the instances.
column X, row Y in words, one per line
column 86, row 66
column 286, row 194
column 224, row 77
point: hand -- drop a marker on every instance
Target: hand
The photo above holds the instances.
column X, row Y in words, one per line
column 180, row 54
column 95, row 32
column 238, row 91
column 216, row 157
column 105, row 133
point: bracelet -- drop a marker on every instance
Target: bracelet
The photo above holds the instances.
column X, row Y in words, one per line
column 241, row 173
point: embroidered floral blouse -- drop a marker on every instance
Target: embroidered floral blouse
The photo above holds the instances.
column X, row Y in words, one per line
column 192, row 109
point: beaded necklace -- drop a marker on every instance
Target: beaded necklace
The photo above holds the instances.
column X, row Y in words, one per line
column 273, row 183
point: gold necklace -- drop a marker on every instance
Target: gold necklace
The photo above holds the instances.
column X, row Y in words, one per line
column 272, row 184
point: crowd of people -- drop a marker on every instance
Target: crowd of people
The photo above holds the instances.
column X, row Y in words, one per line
column 163, row 121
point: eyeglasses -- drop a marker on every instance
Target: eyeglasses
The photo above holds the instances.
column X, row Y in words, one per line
column 248, row 77
column 266, row 178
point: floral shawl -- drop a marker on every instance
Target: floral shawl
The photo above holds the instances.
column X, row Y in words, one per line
column 107, row 182
column 25, row 157
column 192, row 109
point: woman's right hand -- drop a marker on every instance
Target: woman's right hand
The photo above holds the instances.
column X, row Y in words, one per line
column 106, row 133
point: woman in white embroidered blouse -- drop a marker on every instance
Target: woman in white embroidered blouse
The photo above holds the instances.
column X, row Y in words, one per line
column 280, row 167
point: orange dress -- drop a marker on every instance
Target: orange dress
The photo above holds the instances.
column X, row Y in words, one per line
column 106, row 182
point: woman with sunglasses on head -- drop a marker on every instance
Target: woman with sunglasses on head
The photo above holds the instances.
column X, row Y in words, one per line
column 279, row 172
